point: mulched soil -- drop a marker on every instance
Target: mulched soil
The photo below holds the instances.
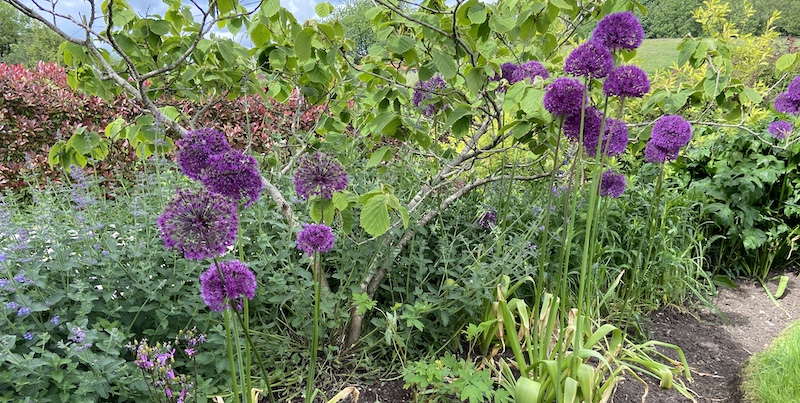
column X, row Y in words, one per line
column 716, row 342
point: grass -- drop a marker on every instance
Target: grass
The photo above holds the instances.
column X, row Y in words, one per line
column 771, row 376
column 657, row 53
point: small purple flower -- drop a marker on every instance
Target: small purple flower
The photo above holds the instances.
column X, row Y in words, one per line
column 563, row 97
column 234, row 175
column 320, row 175
column 28, row 336
column 77, row 335
column 195, row 148
column 786, row 103
column 488, row 219
column 424, row 93
column 590, row 59
column 615, row 139
column 780, row 129
column 315, row 238
column 55, row 320
column 627, row 82
column 12, row 305
column 238, row 281
column 199, row 224
column 671, row 132
column 612, row 184
column 24, row 311
column 619, row 31
column 529, row 70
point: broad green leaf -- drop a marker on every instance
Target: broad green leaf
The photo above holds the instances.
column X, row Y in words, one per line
column 377, row 157
column 400, row 44
column 171, row 112
column 477, row 13
column 259, row 34
column 386, row 122
column 340, row 200
column 323, row 9
column 270, row 8
column 302, row 46
column 752, row 95
column 54, row 156
column 501, row 24
column 347, row 219
column 116, row 128
column 158, row 27
column 375, row 216
column 785, row 62
column 561, row 4
column 445, row 63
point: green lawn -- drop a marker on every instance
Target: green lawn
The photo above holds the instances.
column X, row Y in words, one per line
column 771, row 376
column 657, row 53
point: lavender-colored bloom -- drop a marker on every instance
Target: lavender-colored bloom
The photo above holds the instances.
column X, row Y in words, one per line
column 28, row 336
column 488, row 219
column 315, row 238
column 563, row 97
column 671, row 132
column 615, row 139
column 234, row 175
column 627, row 82
column 199, row 224
column 656, row 154
column 590, row 59
column 196, row 147
column 592, row 120
column 24, row 311
column 794, row 88
column 787, row 103
column 77, row 335
column 239, row 281
column 424, row 94
column 619, row 31
column 612, row 184
column 780, row 129
column 55, row 320
column 12, row 305
column 529, row 70
column 320, row 175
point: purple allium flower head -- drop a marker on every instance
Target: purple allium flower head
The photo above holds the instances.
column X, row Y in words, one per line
column 239, row 281
column 199, row 224
column 627, row 82
column 671, row 132
column 195, row 148
column 488, row 219
column 320, row 175
column 424, row 93
column 507, row 70
column 529, row 70
column 315, row 238
column 786, row 103
column 619, row 31
column 656, row 154
column 592, row 121
column 234, row 175
column 612, row 184
column 563, row 97
column 780, row 129
column 794, row 88
column 615, row 139
column 590, row 59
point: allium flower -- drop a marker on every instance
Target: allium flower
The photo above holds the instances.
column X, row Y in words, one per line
column 199, row 224
column 488, row 219
column 590, row 59
column 619, row 31
column 563, row 97
column 656, row 154
column 780, row 129
column 612, row 184
column 315, row 238
column 239, row 281
column 592, row 120
column 195, row 148
column 794, row 88
column 615, row 139
column 234, row 175
column 787, row 103
column 319, row 175
column 671, row 132
column 424, row 93
column 627, row 82
column 528, row 70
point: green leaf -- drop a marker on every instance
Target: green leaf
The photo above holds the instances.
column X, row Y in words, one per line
column 323, row 9
column 347, row 219
column 477, row 14
column 328, row 213
column 375, row 216
column 377, row 157
column 561, row 4
column 445, row 63
column 270, row 8
column 340, row 200
column 400, row 44
column 386, row 122
column 785, row 62
column 158, row 27
column 752, row 95
column 501, row 24
column 459, row 120
column 171, row 112
column 302, row 46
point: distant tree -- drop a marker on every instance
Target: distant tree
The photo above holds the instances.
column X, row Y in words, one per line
column 11, row 27
column 352, row 15
column 789, row 22
column 38, row 43
column 670, row 18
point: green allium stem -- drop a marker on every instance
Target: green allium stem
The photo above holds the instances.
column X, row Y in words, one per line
column 228, row 337
column 315, row 337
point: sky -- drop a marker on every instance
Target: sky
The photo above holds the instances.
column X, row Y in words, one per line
column 302, row 9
